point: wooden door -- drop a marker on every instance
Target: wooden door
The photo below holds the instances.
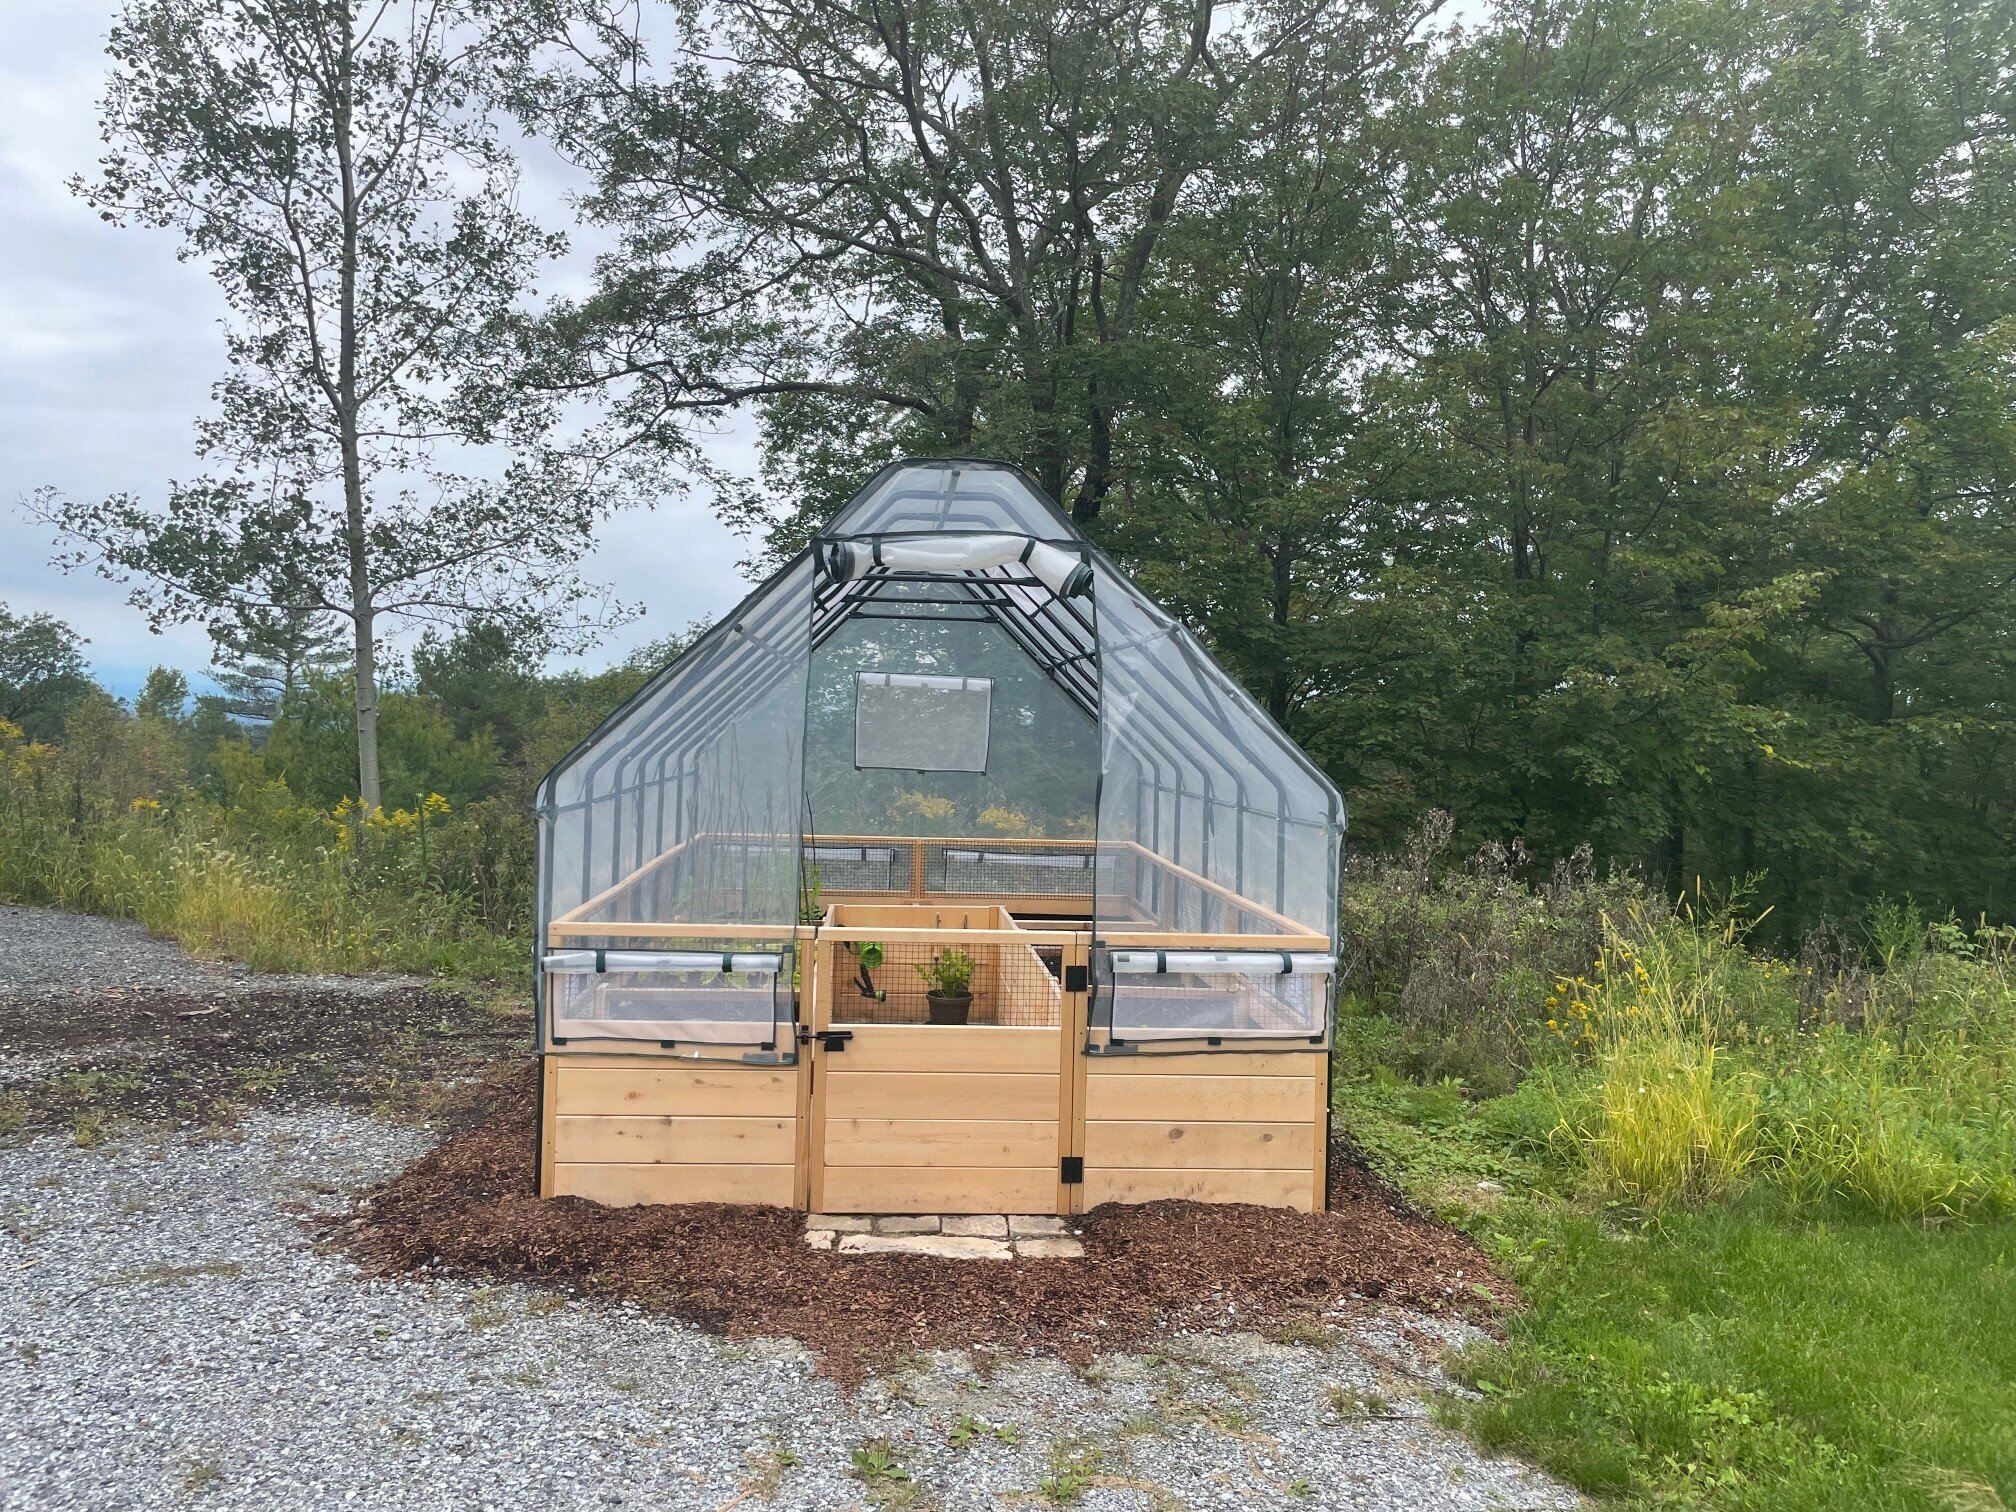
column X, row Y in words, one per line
column 931, row 1118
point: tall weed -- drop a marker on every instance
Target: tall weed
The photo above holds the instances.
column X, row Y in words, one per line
column 262, row 878
column 1695, row 1070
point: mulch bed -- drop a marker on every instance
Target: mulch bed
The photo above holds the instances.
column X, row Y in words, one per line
column 469, row 1209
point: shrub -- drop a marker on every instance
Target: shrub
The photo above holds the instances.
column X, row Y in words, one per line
column 1458, row 956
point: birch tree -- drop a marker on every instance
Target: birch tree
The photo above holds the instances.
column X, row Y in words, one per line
column 336, row 167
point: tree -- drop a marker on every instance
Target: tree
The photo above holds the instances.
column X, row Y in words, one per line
column 1246, row 506
column 483, row 679
column 163, row 697
column 263, row 656
column 337, row 167
column 909, row 225
column 42, row 673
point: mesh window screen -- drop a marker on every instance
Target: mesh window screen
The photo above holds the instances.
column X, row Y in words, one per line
column 1190, row 995
column 1042, row 752
column 916, row 723
column 675, row 998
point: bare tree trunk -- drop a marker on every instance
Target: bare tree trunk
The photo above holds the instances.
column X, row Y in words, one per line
column 363, row 618
column 1279, row 681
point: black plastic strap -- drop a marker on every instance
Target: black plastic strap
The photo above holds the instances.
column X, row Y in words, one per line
column 727, row 963
column 601, row 961
column 876, row 546
column 1287, row 964
column 1028, row 550
column 1161, row 963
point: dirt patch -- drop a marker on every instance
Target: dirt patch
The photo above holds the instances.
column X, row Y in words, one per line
column 91, row 1061
column 469, row 1209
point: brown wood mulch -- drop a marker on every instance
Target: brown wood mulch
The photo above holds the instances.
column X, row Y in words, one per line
column 469, row 1209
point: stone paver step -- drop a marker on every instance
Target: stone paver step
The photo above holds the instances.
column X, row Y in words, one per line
column 950, row 1236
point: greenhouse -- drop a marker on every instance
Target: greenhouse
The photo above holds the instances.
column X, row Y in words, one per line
column 948, row 873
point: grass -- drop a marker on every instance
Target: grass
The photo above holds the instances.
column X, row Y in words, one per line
column 1761, row 1210
column 1753, row 1354
column 1759, row 1360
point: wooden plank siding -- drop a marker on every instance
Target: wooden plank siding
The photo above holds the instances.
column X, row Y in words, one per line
column 903, row 1132
column 1225, row 1127
column 629, row 1130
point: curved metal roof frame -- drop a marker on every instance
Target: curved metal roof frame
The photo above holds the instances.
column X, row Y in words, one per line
column 1219, row 733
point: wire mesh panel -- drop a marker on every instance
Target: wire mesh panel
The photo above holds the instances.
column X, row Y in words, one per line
column 1010, row 867
column 1010, row 985
column 858, row 868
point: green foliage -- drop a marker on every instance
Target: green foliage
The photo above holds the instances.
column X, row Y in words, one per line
column 1758, row 1211
column 1671, row 1061
column 42, row 673
column 948, row 973
column 259, row 875
column 1584, row 424
column 875, row 1464
column 1744, row 1359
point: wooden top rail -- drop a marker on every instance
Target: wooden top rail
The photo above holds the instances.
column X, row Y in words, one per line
column 561, row 935
column 1288, row 934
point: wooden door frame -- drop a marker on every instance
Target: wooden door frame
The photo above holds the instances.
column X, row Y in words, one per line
column 816, row 1007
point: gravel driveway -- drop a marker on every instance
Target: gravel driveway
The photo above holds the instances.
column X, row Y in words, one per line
column 171, row 1335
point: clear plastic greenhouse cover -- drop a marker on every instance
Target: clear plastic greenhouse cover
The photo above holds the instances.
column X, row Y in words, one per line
column 1110, row 754
column 675, row 828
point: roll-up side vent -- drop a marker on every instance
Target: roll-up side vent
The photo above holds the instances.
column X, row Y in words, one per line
column 568, row 962
column 1220, row 962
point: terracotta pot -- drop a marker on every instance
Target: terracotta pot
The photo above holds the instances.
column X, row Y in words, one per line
column 949, row 1007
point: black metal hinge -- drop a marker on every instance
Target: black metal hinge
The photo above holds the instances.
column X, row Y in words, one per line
column 1074, row 979
column 1071, row 1170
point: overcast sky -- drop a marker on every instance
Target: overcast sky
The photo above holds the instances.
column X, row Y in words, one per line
column 108, row 348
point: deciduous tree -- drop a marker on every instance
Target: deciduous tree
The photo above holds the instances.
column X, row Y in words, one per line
column 335, row 164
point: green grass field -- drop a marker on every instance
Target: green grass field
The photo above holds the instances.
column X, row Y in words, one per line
column 1746, row 1355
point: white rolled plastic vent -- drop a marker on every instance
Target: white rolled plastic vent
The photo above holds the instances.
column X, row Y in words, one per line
column 1063, row 573
column 1221, row 962
column 571, row 962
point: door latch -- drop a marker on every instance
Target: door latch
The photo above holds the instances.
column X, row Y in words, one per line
column 833, row 1040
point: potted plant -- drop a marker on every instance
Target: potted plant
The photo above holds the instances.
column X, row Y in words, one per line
column 948, row 985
